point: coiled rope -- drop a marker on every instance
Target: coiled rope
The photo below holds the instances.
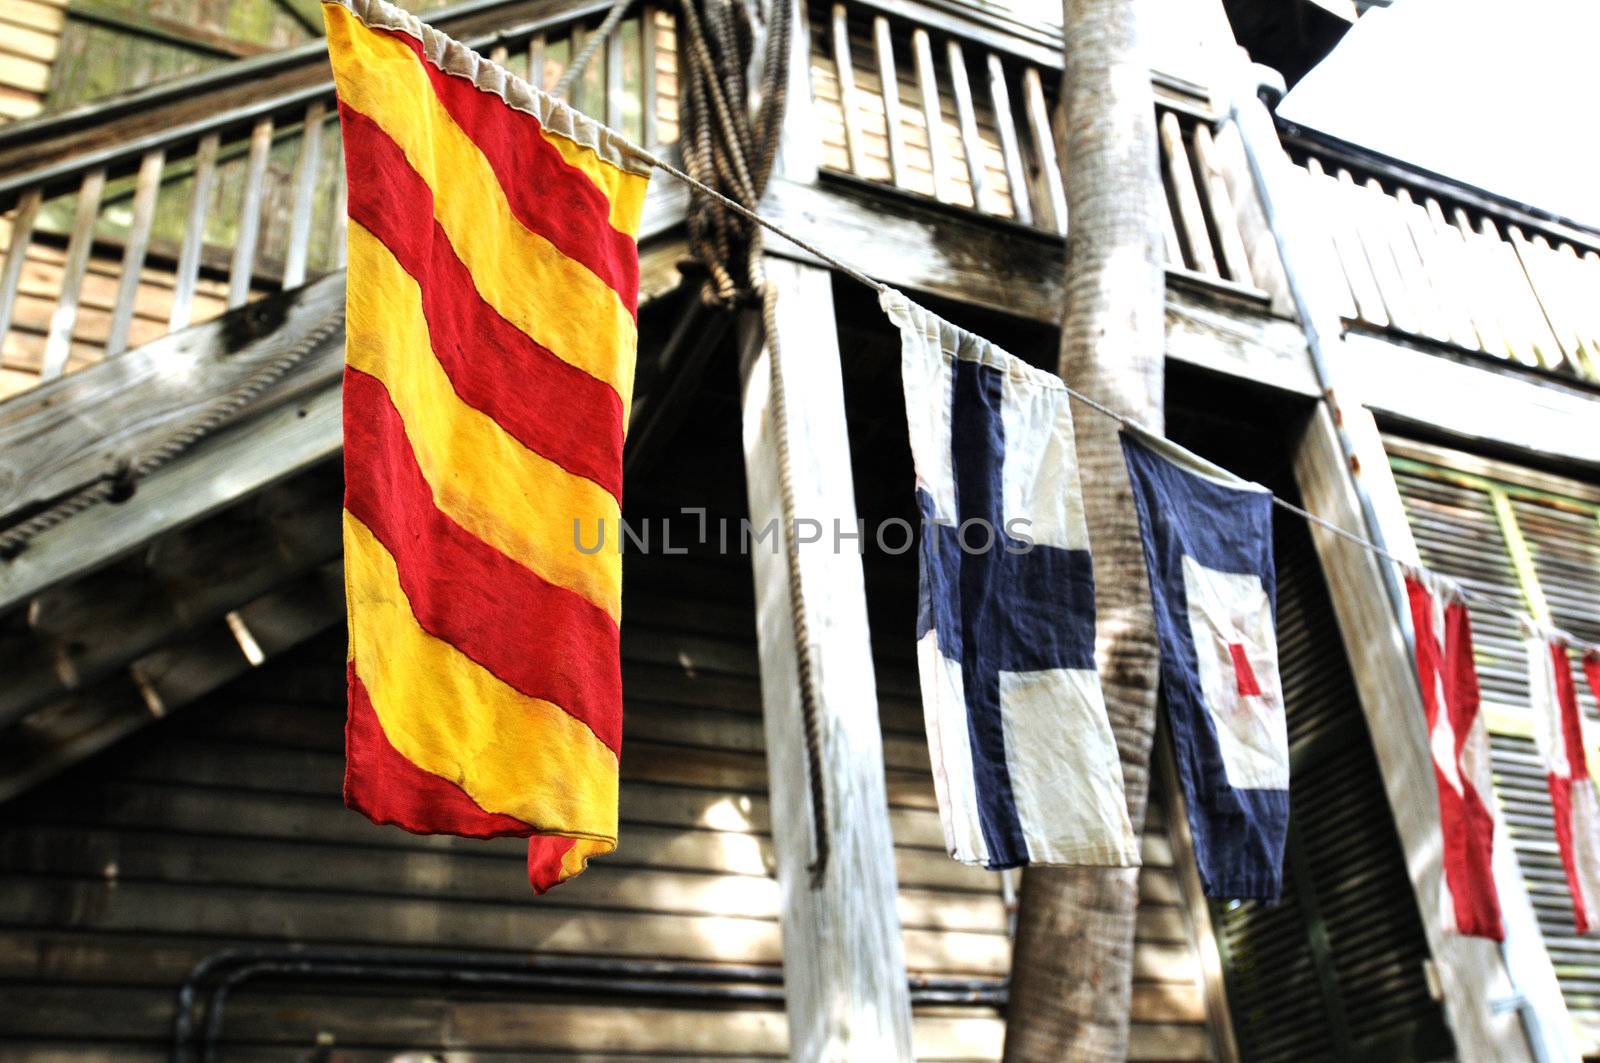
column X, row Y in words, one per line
column 729, row 154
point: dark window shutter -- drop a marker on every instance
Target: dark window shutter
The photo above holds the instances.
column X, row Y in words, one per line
column 1471, row 519
column 1337, row 969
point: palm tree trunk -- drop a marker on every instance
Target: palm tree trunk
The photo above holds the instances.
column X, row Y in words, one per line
column 1072, row 970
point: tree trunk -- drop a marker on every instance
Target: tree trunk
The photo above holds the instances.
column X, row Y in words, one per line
column 1072, row 970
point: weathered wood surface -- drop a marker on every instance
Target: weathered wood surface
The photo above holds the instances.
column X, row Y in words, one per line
column 59, row 437
column 171, row 106
column 844, row 965
column 30, row 39
column 1018, row 272
column 224, row 828
column 75, row 431
column 1475, row 400
column 1425, row 266
column 86, row 630
column 70, row 731
column 234, row 463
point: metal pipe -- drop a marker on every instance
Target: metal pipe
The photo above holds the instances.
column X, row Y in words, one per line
column 231, row 968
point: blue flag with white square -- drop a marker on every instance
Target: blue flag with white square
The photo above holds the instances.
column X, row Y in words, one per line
column 1208, row 548
column 1024, row 762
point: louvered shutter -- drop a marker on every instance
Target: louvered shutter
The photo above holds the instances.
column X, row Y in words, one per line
column 1533, row 541
column 1337, row 970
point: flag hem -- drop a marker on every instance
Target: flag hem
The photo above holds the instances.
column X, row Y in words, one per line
column 456, row 59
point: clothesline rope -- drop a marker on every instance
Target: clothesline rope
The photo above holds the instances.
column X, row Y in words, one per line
column 1486, row 600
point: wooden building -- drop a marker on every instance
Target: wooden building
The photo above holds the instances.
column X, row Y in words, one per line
column 1405, row 355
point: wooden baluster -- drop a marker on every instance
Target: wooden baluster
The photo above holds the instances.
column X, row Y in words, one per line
column 1522, row 300
column 1234, row 255
column 145, row 188
column 1010, row 149
column 615, row 97
column 194, row 233
column 1502, row 286
column 498, row 54
column 536, row 61
column 1261, row 246
column 1170, row 244
column 17, row 254
column 650, row 47
column 1191, row 217
column 1430, row 320
column 849, row 104
column 244, row 251
column 1441, row 269
column 341, row 219
column 1460, row 239
column 889, row 78
column 1563, row 302
column 1352, row 257
column 932, row 117
column 58, row 342
column 305, row 187
column 1584, row 277
column 971, row 142
column 1380, row 258
column 1044, row 147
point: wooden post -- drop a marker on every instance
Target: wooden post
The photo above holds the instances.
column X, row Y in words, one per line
column 844, row 964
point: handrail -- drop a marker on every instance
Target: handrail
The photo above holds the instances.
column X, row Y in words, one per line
column 55, row 178
column 1310, row 141
column 227, row 75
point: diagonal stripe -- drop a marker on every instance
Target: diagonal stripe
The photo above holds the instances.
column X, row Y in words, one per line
column 512, row 754
column 554, row 408
column 387, row 788
column 552, row 298
column 469, row 594
column 517, row 501
column 559, row 201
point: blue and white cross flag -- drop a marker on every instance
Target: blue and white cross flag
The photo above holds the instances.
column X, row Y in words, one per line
column 1024, row 761
column 1208, row 548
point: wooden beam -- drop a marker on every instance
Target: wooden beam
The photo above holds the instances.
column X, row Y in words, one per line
column 918, row 247
column 162, row 682
column 284, row 441
column 1479, row 401
column 60, row 436
column 86, row 630
column 844, row 964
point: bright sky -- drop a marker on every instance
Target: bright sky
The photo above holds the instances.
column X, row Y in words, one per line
column 1501, row 94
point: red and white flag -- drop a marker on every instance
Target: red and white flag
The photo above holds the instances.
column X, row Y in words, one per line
column 1460, row 746
column 1558, row 730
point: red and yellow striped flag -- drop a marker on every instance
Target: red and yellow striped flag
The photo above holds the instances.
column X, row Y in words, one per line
column 490, row 337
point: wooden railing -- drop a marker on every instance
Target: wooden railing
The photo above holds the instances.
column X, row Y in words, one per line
column 1411, row 254
column 990, row 101
column 201, row 209
column 135, row 218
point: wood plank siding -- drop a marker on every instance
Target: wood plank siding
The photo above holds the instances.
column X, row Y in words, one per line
column 224, row 827
column 30, row 39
